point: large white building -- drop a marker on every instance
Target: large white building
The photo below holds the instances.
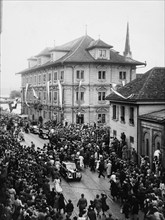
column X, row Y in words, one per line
column 93, row 62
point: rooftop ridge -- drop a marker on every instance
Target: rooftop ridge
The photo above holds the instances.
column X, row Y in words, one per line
column 74, row 50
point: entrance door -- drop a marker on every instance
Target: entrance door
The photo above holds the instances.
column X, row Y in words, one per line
column 80, row 118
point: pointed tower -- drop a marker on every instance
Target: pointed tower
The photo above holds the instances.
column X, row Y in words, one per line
column 127, row 52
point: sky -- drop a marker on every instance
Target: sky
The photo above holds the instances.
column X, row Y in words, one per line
column 30, row 26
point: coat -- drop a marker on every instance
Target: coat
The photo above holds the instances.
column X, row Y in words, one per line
column 109, row 168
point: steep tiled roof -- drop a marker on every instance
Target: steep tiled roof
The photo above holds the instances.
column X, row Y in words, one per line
column 44, row 52
column 150, row 87
column 98, row 44
column 77, row 51
column 68, row 46
column 155, row 116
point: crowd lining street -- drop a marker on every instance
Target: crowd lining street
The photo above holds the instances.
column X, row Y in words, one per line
column 29, row 176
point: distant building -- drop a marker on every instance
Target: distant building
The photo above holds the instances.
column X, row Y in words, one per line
column 93, row 62
column 141, row 117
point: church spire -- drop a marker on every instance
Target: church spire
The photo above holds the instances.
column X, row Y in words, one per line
column 127, row 51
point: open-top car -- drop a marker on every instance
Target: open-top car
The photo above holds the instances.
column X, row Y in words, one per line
column 69, row 171
column 34, row 129
column 43, row 133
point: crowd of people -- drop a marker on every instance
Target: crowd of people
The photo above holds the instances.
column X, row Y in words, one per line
column 25, row 173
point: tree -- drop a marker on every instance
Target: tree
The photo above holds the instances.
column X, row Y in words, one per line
column 15, row 94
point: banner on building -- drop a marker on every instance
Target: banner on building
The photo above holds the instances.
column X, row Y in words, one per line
column 26, row 89
column 117, row 93
column 60, row 93
column 34, row 93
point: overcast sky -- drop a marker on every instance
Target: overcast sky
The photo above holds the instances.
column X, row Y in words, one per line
column 30, row 26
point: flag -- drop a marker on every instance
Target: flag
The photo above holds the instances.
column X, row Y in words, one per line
column 117, row 93
column 48, row 89
column 34, row 93
column 13, row 105
column 79, row 94
column 60, row 93
column 26, row 89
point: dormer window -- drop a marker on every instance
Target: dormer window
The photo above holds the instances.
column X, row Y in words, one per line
column 51, row 56
column 102, row 54
column 39, row 61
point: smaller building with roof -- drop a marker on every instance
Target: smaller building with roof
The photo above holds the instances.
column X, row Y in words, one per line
column 137, row 109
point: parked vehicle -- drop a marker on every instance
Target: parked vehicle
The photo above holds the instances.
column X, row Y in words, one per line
column 69, row 171
column 34, row 129
column 43, row 133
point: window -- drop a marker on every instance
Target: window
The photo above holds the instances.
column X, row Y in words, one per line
column 44, row 95
column 30, row 95
column 80, row 74
column 49, row 114
column 81, row 96
column 122, row 75
column 131, row 139
column 114, row 112
column 102, row 53
column 50, row 77
column 44, row 114
column 61, row 75
column 50, row 97
column 39, row 95
column 44, row 78
column 55, row 97
column 39, row 79
column 101, row 118
column 122, row 114
column 131, row 117
column 54, row 77
column 114, row 133
column 35, row 80
column 101, row 96
column 101, row 75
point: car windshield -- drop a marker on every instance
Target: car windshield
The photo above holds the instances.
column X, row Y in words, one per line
column 71, row 166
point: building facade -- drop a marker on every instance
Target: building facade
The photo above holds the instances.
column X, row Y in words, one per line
column 152, row 133
column 131, row 115
column 85, row 68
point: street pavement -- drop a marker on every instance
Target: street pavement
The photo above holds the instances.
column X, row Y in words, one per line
column 90, row 184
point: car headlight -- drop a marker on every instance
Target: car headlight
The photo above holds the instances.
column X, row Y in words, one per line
column 69, row 175
column 78, row 174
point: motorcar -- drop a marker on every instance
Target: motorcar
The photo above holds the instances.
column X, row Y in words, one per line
column 43, row 133
column 34, row 129
column 69, row 171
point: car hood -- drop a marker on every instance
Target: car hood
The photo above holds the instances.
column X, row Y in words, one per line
column 72, row 171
